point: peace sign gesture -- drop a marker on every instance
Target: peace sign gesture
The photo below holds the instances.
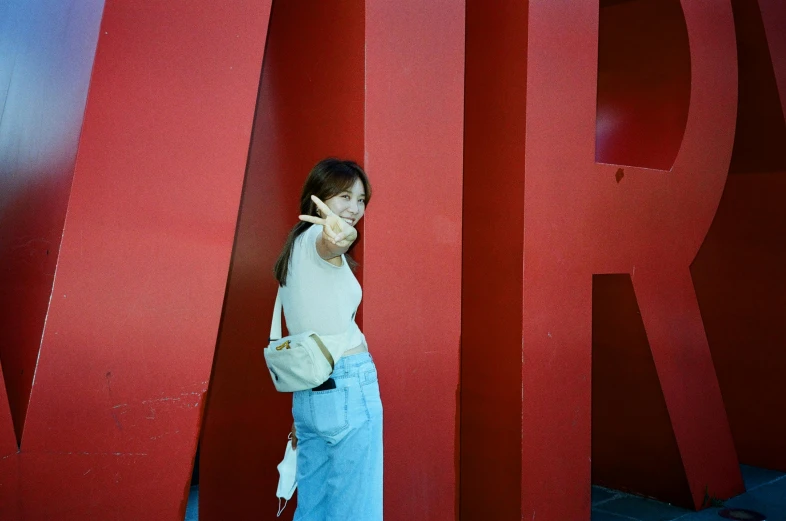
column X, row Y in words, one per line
column 334, row 229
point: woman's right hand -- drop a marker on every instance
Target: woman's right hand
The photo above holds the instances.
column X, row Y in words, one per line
column 334, row 229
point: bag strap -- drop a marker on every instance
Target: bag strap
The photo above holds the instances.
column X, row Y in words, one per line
column 275, row 325
column 275, row 329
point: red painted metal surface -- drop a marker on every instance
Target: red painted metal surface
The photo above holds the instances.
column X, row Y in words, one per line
column 643, row 83
column 412, row 271
column 47, row 55
column 581, row 218
column 8, row 445
column 761, row 47
column 128, row 345
column 739, row 277
column 494, row 152
column 773, row 15
column 633, row 443
column 310, row 106
column 739, row 287
column 643, row 97
column 130, row 333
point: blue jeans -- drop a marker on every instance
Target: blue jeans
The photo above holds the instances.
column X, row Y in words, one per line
column 339, row 450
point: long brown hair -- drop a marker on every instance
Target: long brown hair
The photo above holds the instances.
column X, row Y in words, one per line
column 328, row 178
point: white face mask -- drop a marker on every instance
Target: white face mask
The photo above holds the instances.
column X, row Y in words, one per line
column 287, row 477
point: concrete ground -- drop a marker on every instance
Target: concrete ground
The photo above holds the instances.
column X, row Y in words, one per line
column 766, row 494
column 192, row 510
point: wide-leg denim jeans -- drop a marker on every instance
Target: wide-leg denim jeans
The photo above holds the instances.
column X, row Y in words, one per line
column 339, row 460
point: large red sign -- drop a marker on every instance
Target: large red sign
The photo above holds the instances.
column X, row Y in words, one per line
column 574, row 165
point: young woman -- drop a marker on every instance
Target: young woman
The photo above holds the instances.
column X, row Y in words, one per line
column 338, row 425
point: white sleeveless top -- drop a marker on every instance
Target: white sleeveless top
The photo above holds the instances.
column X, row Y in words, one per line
column 320, row 296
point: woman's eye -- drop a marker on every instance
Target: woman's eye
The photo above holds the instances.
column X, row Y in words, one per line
column 345, row 197
column 362, row 201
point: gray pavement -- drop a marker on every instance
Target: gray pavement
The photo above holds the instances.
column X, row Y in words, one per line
column 766, row 494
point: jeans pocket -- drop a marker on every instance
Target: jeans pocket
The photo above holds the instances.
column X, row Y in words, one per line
column 371, row 400
column 329, row 411
column 369, row 376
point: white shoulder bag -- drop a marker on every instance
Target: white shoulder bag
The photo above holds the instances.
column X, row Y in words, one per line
column 302, row 361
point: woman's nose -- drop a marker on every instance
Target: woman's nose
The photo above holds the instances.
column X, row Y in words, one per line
column 353, row 206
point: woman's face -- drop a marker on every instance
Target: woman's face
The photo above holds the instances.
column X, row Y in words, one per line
column 350, row 204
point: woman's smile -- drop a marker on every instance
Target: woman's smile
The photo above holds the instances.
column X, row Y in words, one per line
column 349, row 205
